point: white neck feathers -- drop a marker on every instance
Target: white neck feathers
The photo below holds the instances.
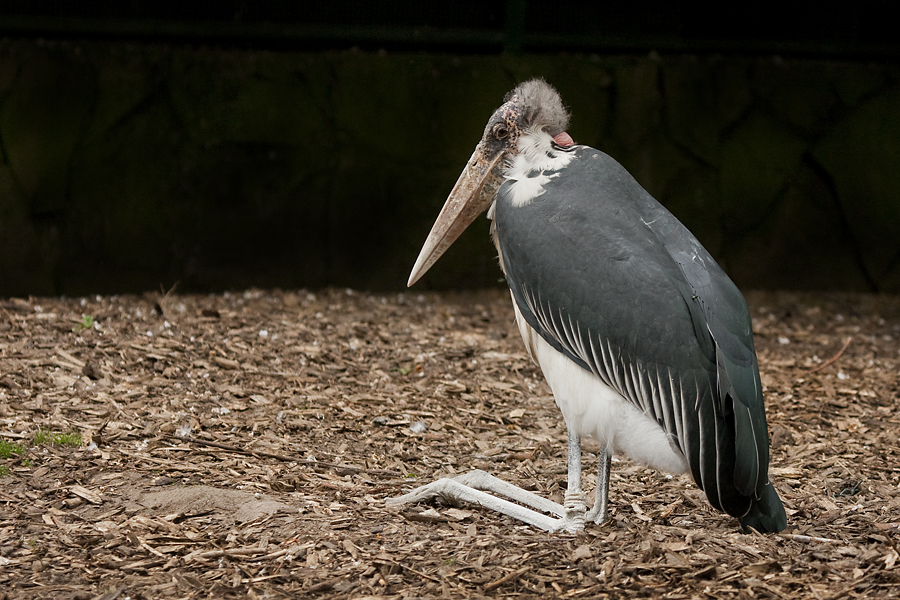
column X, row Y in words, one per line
column 535, row 164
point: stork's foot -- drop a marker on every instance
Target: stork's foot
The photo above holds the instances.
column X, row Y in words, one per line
column 473, row 487
column 575, row 508
column 597, row 515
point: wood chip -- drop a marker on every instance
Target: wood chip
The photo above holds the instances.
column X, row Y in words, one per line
column 86, row 494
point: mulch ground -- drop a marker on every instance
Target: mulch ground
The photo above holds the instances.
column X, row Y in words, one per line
column 242, row 445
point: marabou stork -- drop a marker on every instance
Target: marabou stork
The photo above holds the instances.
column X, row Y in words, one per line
column 643, row 338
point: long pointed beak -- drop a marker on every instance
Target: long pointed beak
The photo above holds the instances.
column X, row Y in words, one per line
column 473, row 193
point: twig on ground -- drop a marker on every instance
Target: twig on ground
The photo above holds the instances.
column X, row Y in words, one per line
column 806, row 539
column 410, row 569
column 506, row 579
column 294, row 459
column 833, row 358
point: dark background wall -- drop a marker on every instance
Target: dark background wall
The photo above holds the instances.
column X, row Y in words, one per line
column 226, row 145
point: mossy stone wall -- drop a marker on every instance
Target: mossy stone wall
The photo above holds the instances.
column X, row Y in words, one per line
column 127, row 167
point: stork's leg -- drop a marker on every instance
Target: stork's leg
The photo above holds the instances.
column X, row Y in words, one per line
column 472, row 487
column 460, row 489
column 479, row 481
column 599, row 514
column 575, row 502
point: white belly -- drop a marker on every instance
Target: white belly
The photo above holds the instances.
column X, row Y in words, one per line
column 591, row 408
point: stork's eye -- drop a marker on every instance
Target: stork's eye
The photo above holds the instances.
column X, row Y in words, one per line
column 500, row 131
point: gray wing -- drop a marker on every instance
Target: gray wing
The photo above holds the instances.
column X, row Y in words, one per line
column 609, row 277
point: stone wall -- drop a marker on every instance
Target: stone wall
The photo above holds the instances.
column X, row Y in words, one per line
column 128, row 167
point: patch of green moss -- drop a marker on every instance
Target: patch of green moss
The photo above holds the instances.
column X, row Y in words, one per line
column 7, row 449
column 72, row 439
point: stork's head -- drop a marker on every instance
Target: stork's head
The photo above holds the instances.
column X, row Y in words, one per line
column 533, row 107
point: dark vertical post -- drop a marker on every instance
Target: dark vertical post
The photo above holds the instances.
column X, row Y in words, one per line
column 515, row 25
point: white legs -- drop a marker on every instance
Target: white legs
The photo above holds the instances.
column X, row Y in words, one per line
column 599, row 513
column 575, row 503
column 468, row 488
column 570, row 517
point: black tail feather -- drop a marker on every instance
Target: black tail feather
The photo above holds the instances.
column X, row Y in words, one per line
column 766, row 514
